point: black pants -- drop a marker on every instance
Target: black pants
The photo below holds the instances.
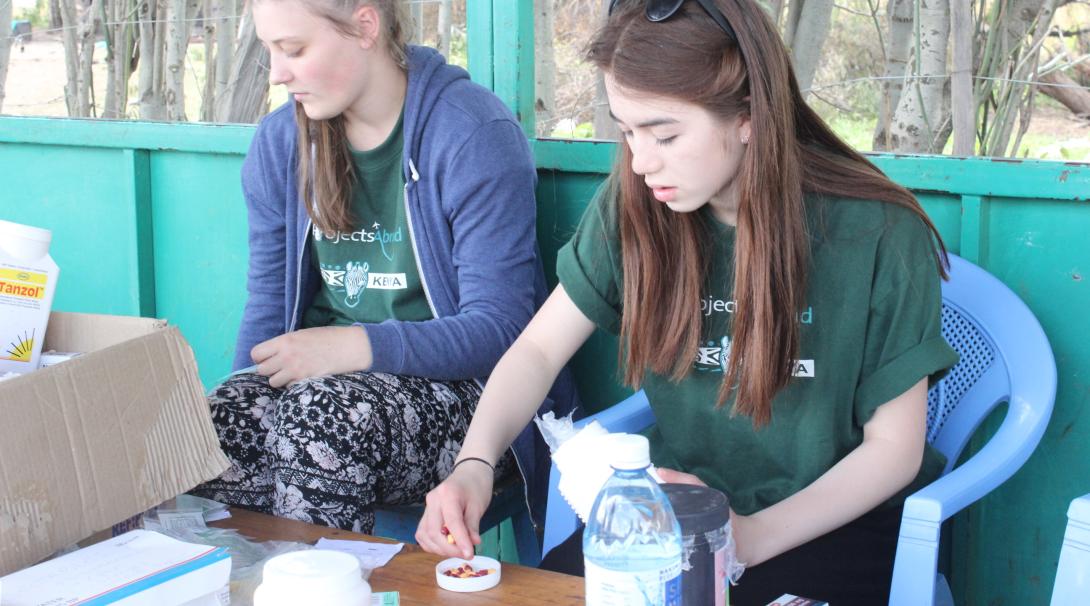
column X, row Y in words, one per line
column 850, row 566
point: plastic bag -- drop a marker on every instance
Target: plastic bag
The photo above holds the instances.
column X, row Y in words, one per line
column 582, row 457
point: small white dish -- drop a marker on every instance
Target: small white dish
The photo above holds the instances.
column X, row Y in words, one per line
column 487, row 581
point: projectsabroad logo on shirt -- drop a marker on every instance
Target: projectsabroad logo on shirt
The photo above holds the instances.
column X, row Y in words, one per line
column 714, row 356
column 357, row 275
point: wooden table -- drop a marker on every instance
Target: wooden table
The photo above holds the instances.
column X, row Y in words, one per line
column 412, row 571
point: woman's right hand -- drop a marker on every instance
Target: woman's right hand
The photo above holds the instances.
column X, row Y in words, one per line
column 457, row 505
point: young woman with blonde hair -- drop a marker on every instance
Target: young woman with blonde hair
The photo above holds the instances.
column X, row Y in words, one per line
column 392, row 261
column 775, row 295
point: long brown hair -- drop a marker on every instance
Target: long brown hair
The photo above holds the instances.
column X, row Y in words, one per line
column 325, row 173
column 790, row 151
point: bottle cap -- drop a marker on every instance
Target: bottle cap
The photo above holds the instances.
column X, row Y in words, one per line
column 629, row 451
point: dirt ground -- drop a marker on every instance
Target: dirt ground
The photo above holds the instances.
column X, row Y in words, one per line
column 36, row 78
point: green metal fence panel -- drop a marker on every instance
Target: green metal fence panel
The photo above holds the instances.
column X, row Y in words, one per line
column 201, row 254
column 148, row 219
column 513, row 58
column 59, row 188
column 481, row 58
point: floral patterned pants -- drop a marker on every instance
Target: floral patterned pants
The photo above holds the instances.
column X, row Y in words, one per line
column 327, row 449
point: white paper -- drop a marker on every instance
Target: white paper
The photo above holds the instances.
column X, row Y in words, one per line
column 371, row 555
column 105, row 566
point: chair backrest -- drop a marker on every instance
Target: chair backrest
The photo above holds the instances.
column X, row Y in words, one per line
column 990, row 328
column 1005, row 357
column 1072, row 586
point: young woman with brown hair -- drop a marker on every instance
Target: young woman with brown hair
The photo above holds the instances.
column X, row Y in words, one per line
column 392, row 262
column 775, row 295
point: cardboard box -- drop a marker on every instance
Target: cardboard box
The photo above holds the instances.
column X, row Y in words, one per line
column 102, row 437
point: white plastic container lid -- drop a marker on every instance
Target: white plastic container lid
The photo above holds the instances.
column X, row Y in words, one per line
column 468, row 584
column 26, row 231
column 629, row 451
column 24, row 241
column 313, row 576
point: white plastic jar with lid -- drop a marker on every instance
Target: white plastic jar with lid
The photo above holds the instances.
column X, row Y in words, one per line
column 28, row 278
column 313, row 576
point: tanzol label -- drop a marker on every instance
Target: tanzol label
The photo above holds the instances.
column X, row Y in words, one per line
column 656, row 587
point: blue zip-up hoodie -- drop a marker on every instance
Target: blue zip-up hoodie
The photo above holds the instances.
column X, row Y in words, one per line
column 471, row 212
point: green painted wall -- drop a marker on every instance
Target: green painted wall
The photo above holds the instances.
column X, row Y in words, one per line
column 148, row 219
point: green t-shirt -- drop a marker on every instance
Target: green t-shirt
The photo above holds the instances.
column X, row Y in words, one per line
column 870, row 329
column 370, row 274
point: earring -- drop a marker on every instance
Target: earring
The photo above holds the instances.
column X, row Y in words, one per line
column 745, row 139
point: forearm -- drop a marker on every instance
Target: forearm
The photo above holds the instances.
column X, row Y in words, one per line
column 514, row 392
column 885, row 462
column 463, row 346
column 524, row 375
column 861, row 481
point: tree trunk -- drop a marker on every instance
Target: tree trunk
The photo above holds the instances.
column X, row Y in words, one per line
column 120, row 47
column 898, row 50
column 416, row 10
column 794, row 13
column 5, row 47
column 442, row 24
column 1073, row 98
column 961, row 80
column 177, row 41
column 226, row 21
column 545, row 69
column 246, row 97
column 85, row 83
column 1082, row 73
column 70, row 35
column 208, row 95
column 810, row 33
column 921, row 117
column 604, row 125
column 150, row 73
column 56, row 12
column 775, row 11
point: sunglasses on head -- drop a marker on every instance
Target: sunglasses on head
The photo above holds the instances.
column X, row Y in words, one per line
column 661, row 10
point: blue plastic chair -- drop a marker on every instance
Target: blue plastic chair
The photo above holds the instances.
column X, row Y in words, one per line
column 1005, row 357
column 1072, row 586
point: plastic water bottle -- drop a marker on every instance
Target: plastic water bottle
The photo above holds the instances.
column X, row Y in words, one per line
column 632, row 544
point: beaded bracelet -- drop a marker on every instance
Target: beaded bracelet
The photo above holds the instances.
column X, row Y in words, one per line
column 490, row 466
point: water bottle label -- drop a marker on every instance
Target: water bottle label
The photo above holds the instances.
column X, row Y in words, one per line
column 657, row 587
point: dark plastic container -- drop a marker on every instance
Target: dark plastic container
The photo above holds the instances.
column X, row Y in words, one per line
column 703, row 514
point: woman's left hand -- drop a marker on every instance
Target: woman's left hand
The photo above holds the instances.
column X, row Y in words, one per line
column 312, row 352
column 670, row 476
